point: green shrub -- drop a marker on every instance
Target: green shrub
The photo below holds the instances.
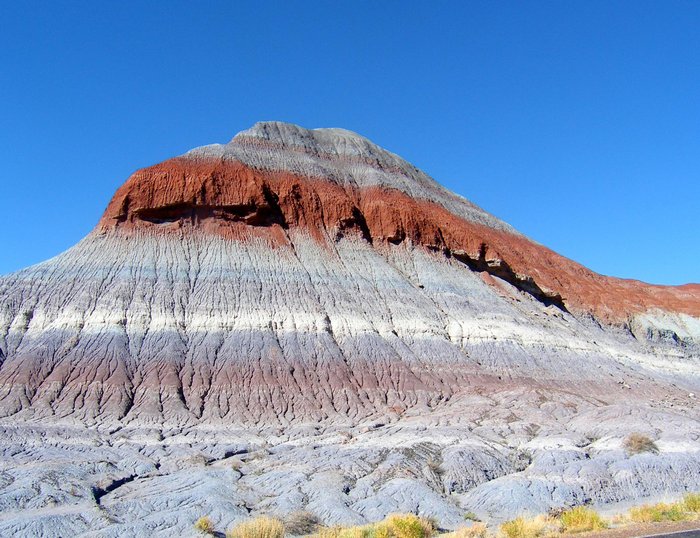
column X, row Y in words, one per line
column 581, row 519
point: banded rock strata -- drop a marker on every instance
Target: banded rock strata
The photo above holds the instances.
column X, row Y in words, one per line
column 299, row 319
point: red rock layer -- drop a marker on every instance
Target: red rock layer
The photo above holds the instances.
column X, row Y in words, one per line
column 231, row 199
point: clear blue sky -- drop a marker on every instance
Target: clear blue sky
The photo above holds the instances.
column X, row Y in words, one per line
column 577, row 122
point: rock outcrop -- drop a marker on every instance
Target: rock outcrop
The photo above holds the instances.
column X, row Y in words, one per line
column 299, row 319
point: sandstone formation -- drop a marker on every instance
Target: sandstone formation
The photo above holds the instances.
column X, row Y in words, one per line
column 299, row 319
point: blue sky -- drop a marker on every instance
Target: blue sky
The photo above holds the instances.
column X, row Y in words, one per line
column 577, row 122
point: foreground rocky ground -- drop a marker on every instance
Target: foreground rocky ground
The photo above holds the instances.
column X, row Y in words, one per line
column 68, row 481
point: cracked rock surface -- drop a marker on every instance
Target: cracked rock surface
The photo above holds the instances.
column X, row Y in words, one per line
column 302, row 320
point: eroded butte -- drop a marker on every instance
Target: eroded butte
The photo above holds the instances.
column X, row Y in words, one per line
column 299, row 319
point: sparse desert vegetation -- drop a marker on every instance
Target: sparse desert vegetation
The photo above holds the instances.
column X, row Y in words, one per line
column 585, row 519
column 557, row 523
column 523, row 527
column 691, row 501
column 636, row 443
column 259, row 527
column 655, row 513
column 394, row 526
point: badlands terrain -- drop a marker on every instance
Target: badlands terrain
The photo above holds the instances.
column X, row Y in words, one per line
column 301, row 320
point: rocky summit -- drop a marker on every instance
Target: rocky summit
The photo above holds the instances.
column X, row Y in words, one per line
column 301, row 320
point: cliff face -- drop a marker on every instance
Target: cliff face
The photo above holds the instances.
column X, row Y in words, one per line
column 296, row 289
column 226, row 195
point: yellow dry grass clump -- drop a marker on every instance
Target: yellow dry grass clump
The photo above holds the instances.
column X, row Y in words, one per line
column 394, row 526
column 204, row 524
column 655, row 513
column 691, row 502
column 636, row 443
column 581, row 519
column 260, row 527
column 523, row 527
